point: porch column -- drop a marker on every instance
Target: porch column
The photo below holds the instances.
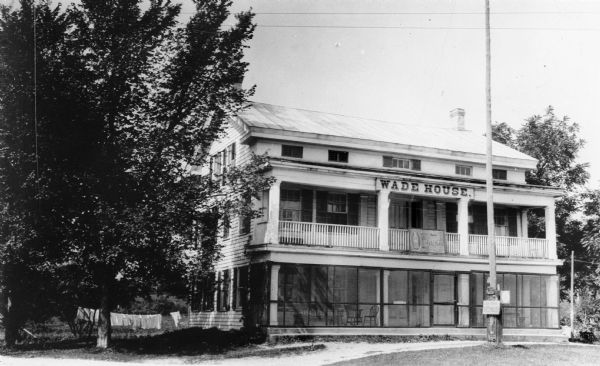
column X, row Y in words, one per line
column 463, row 225
column 383, row 205
column 272, row 235
column 386, row 297
column 273, row 294
column 524, row 223
column 551, row 230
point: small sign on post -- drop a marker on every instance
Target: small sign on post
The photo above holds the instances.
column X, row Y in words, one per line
column 491, row 307
column 505, row 297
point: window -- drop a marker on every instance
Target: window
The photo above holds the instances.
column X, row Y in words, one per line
column 245, row 220
column 336, row 203
column 464, row 170
column 232, row 154
column 291, row 206
column 203, row 297
column 499, row 174
column 223, row 303
column 401, row 163
column 291, row 151
column 338, row 156
column 240, row 285
column 226, row 226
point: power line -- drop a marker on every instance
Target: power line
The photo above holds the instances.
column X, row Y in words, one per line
column 421, row 27
column 430, row 13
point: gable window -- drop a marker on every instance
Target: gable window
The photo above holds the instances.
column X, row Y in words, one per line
column 291, row 151
column 336, row 203
column 499, row 174
column 464, row 170
column 338, row 156
column 401, row 163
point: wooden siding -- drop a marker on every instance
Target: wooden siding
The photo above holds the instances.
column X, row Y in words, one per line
column 225, row 320
column 233, row 247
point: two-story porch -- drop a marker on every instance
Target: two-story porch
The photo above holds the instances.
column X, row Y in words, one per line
column 409, row 220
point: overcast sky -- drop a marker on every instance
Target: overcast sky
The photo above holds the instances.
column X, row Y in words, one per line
column 413, row 61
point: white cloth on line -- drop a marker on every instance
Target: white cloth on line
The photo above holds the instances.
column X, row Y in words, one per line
column 176, row 317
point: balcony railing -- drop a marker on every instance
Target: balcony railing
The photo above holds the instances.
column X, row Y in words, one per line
column 363, row 237
column 510, row 246
column 399, row 240
column 313, row 234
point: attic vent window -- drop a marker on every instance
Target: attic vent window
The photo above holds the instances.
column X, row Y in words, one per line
column 401, row 163
column 338, row 156
column 464, row 170
column 291, row 151
column 499, row 174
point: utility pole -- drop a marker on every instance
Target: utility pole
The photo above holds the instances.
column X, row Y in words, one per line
column 572, row 276
column 494, row 330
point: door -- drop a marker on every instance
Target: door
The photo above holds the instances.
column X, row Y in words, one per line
column 444, row 299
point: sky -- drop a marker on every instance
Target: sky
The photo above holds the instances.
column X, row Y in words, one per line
column 413, row 61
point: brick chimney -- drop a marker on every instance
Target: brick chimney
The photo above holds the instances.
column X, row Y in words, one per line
column 458, row 114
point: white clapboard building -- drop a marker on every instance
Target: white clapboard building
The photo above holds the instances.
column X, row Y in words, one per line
column 375, row 227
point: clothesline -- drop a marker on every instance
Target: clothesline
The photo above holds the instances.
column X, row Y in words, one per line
column 133, row 321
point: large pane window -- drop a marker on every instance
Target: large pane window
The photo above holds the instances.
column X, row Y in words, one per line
column 533, row 300
column 419, row 295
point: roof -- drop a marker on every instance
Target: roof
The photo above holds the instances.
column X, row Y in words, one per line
column 274, row 117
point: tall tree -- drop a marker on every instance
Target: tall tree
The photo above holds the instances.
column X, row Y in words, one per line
column 555, row 143
column 128, row 103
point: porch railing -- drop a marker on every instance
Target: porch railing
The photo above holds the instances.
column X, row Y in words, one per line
column 510, row 246
column 313, row 234
column 399, row 240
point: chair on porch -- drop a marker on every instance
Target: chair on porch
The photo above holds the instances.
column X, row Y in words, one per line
column 353, row 315
column 372, row 315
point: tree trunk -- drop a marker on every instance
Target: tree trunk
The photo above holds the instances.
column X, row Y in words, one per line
column 11, row 327
column 104, row 326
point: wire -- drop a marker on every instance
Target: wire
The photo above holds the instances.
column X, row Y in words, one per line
column 423, row 28
column 429, row 13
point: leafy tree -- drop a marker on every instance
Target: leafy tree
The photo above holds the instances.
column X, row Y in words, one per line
column 555, row 143
column 128, row 103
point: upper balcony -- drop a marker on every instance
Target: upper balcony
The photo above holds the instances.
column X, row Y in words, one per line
column 414, row 241
column 410, row 224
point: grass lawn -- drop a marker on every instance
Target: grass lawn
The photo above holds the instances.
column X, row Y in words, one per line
column 191, row 344
column 484, row 356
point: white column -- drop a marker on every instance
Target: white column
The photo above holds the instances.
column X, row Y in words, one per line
column 524, row 223
column 273, row 294
column 383, row 218
column 386, row 296
column 463, row 225
column 272, row 235
column 551, row 230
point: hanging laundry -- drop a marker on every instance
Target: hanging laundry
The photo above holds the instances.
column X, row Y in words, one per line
column 176, row 317
column 132, row 321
